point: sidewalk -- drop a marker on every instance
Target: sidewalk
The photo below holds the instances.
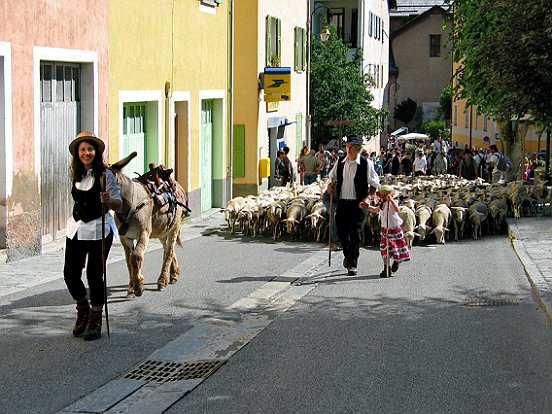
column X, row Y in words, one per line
column 25, row 273
column 531, row 238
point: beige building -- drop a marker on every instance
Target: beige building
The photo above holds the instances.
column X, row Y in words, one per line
column 420, row 66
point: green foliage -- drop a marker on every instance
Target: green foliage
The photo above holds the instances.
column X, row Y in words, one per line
column 505, row 47
column 433, row 128
column 445, row 103
column 405, row 111
column 505, row 51
column 339, row 89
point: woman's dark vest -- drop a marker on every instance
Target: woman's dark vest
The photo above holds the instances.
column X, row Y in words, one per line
column 88, row 205
column 361, row 178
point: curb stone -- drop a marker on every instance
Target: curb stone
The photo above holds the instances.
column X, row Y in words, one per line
column 541, row 288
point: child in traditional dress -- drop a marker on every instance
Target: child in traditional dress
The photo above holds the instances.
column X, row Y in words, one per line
column 392, row 242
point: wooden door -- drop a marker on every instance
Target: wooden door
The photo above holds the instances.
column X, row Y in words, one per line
column 59, row 124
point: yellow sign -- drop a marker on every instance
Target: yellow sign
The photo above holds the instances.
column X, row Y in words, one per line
column 272, row 106
column 277, row 84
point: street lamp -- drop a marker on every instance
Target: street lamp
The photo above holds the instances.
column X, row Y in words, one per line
column 324, row 36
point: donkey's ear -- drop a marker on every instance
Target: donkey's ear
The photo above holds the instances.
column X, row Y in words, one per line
column 119, row 165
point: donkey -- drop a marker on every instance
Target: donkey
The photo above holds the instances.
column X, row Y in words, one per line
column 151, row 221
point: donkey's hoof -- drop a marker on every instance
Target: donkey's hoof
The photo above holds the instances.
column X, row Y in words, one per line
column 139, row 290
column 173, row 281
column 160, row 287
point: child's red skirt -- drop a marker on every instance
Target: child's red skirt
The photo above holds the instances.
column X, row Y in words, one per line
column 397, row 248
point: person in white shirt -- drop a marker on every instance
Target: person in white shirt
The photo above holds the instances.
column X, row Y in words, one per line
column 84, row 231
column 353, row 180
column 496, row 174
column 419, row 164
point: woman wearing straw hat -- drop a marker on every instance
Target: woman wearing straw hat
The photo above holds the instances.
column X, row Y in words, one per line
column 392, row 242
column 84, row 231
column 353, row 180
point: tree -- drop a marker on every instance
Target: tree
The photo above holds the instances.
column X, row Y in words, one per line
column 505, row 51
column 405, row 111
column 445, row 104
column 338, row 88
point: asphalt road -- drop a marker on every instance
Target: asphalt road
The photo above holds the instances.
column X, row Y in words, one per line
column 352, row 344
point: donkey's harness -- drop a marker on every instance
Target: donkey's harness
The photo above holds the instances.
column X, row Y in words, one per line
column 160, row 187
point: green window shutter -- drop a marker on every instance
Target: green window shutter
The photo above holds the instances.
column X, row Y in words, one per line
column 304, row 48
column 296, row 58
column 298, row 133
column 279, row 34
column 238, row 169
column 268, row 40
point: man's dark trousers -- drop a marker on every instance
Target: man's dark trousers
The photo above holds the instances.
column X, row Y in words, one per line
column 350, row 220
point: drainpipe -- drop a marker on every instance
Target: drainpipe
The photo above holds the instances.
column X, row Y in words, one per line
column 168, row 147
column 230, row 98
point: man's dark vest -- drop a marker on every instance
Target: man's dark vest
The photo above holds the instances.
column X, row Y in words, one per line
column 361, row 178
column 88, row 205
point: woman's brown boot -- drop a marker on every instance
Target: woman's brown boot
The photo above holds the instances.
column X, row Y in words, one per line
column 94, row 327
column 83, row 311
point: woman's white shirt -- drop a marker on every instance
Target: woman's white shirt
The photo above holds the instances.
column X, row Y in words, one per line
column 93, row 229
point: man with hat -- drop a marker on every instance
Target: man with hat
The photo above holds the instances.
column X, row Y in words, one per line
column 468, row 166
column 353, row 180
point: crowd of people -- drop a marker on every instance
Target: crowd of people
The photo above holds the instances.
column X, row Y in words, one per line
column 414, row 160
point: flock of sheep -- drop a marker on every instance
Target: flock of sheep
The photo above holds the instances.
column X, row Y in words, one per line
column 433, row 208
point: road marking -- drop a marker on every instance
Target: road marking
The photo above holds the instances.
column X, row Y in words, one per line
column 218, row 337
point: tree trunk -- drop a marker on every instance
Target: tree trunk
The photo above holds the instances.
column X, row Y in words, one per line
column 513, row 139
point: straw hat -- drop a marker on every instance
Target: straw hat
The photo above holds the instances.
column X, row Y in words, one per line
column 86, row 136
column 384, row 190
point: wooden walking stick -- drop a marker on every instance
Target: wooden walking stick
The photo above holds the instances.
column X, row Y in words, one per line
column 388, row 266
column 330, row 229
column 102, row 184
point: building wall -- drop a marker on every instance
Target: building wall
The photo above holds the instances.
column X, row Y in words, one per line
column 250, row 109
column 421, row 77
column 175, row 54
column 376, row 48
column 65, row 28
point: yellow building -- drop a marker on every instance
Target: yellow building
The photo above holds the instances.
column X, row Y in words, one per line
column 267, row 33
column 477, row 129
column 169, row 96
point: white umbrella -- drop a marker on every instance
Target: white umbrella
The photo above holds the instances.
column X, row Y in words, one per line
column 413, row 136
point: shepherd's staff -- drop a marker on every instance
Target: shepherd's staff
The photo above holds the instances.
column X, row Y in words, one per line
column 102, row 184
column 388, row 267
column 330, row 229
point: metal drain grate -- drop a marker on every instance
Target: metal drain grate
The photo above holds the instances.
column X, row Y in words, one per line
column 162, row 371
column 487, row 302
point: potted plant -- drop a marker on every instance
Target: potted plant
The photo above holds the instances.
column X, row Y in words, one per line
column 275, row 61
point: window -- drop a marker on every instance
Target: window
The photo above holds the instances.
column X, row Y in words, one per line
column 455, row 115
column 354, row 28
column 476, row 117
column 485, row 119
column 337, row 19
column 59, row 82
column 370, row 24
column 300, row 49
column 273, row 41
column 434, row 45
column 466, row 119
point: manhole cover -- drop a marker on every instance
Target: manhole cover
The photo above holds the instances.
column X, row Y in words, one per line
column 163, row 371
column 486, row 302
